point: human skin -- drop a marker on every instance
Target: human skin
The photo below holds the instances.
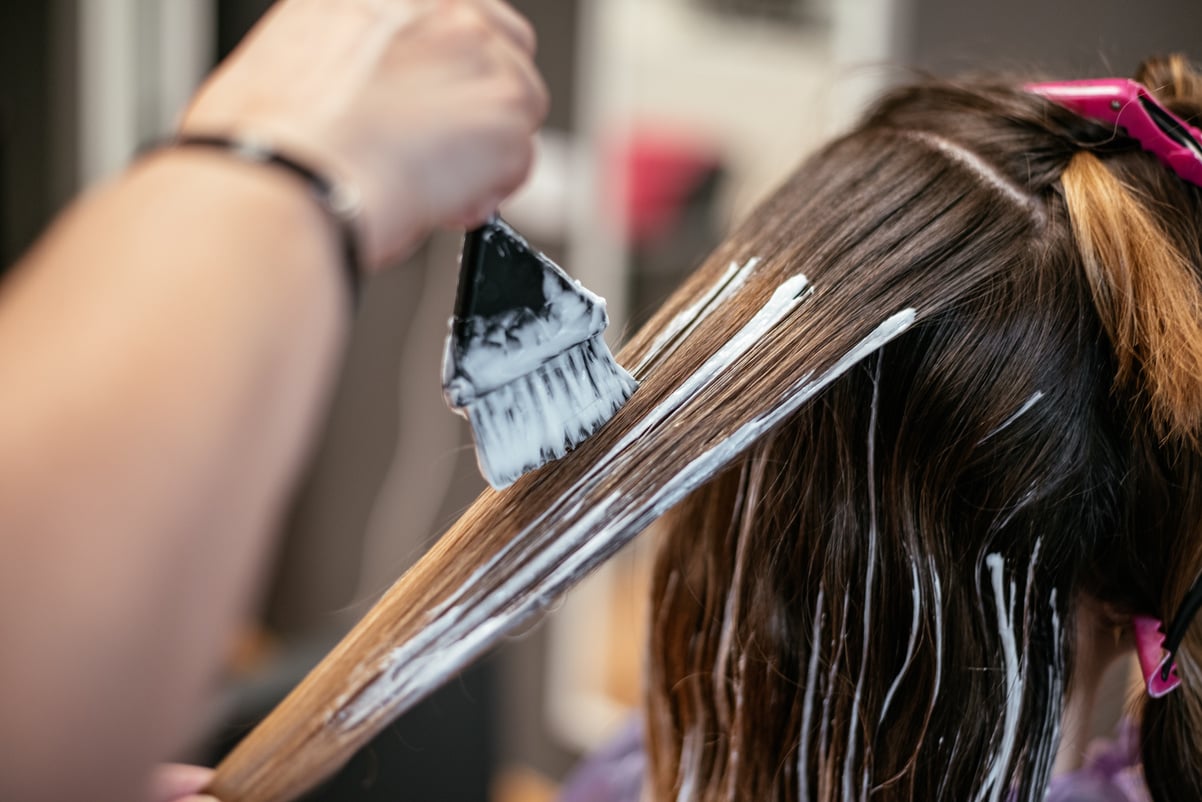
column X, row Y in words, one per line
column 1103, row 635
column 173, row 782
column 168, row 347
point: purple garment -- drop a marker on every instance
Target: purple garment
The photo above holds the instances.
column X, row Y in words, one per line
column 1111, row 772
column 614, row 774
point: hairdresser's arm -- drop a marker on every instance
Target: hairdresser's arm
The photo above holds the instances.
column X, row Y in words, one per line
column 166, row 351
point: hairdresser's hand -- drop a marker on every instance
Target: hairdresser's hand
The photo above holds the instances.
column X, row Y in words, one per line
column 178, row 783
column 428, row 107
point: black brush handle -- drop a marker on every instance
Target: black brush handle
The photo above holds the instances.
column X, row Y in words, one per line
column 469, row 261
column 498, row 273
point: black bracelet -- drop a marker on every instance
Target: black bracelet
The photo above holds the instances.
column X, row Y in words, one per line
column 339, row 202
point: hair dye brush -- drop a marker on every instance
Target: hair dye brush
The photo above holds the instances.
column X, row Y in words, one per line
column 525, row 362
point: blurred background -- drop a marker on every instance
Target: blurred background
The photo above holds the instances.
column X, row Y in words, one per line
column 671, row 119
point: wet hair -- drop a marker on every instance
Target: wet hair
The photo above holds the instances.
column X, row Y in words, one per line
column 877, row 600
column 944, row 382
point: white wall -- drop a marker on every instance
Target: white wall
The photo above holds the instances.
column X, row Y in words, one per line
column 139, row 62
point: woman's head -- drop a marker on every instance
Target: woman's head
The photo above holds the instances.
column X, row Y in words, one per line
column 878, row 598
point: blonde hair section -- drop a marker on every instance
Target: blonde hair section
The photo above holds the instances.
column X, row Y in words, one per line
column 1146, row 293
column 1172, row 78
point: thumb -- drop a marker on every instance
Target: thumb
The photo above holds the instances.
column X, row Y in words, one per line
column 179, row 783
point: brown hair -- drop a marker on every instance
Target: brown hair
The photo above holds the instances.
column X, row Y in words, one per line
column 876, row 600
column 874, row 597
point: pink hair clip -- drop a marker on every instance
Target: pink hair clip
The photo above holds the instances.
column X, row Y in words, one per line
column 1160, row 671
column 1129, row 105
column 1157, row 646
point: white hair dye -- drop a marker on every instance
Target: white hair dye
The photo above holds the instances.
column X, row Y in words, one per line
column 994, row 784
column 807, row 708
column 937, row 589
column 853, row 728
column 916, row 595
column 684, row 324
column 731, row 790
column 1035, row 398
column 837, row 649
column 1015, row 667
column 730, row 612
column 688, row 761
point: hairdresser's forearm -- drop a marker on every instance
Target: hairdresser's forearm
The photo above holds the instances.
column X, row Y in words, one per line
column 164, row 356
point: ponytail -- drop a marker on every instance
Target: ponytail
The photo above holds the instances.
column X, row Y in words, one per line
column 1140, row 253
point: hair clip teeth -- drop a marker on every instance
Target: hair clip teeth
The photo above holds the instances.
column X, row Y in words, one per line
column 1160, row 671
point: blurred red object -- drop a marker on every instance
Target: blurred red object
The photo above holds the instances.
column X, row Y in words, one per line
column 659, row 171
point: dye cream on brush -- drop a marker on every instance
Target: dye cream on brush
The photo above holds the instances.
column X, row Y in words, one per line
column 526, row 362
column 504, row 347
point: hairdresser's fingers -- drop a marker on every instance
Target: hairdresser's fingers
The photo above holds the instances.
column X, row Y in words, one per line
column 477, row 216
column 173, row 782
column 536, row 100
column 426, row 107
column 505, row 162
column 511, row 23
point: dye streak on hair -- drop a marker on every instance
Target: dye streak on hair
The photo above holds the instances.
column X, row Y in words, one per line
column 902, row 427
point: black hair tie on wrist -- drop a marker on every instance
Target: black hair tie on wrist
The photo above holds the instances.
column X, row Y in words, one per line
column 339, row 202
